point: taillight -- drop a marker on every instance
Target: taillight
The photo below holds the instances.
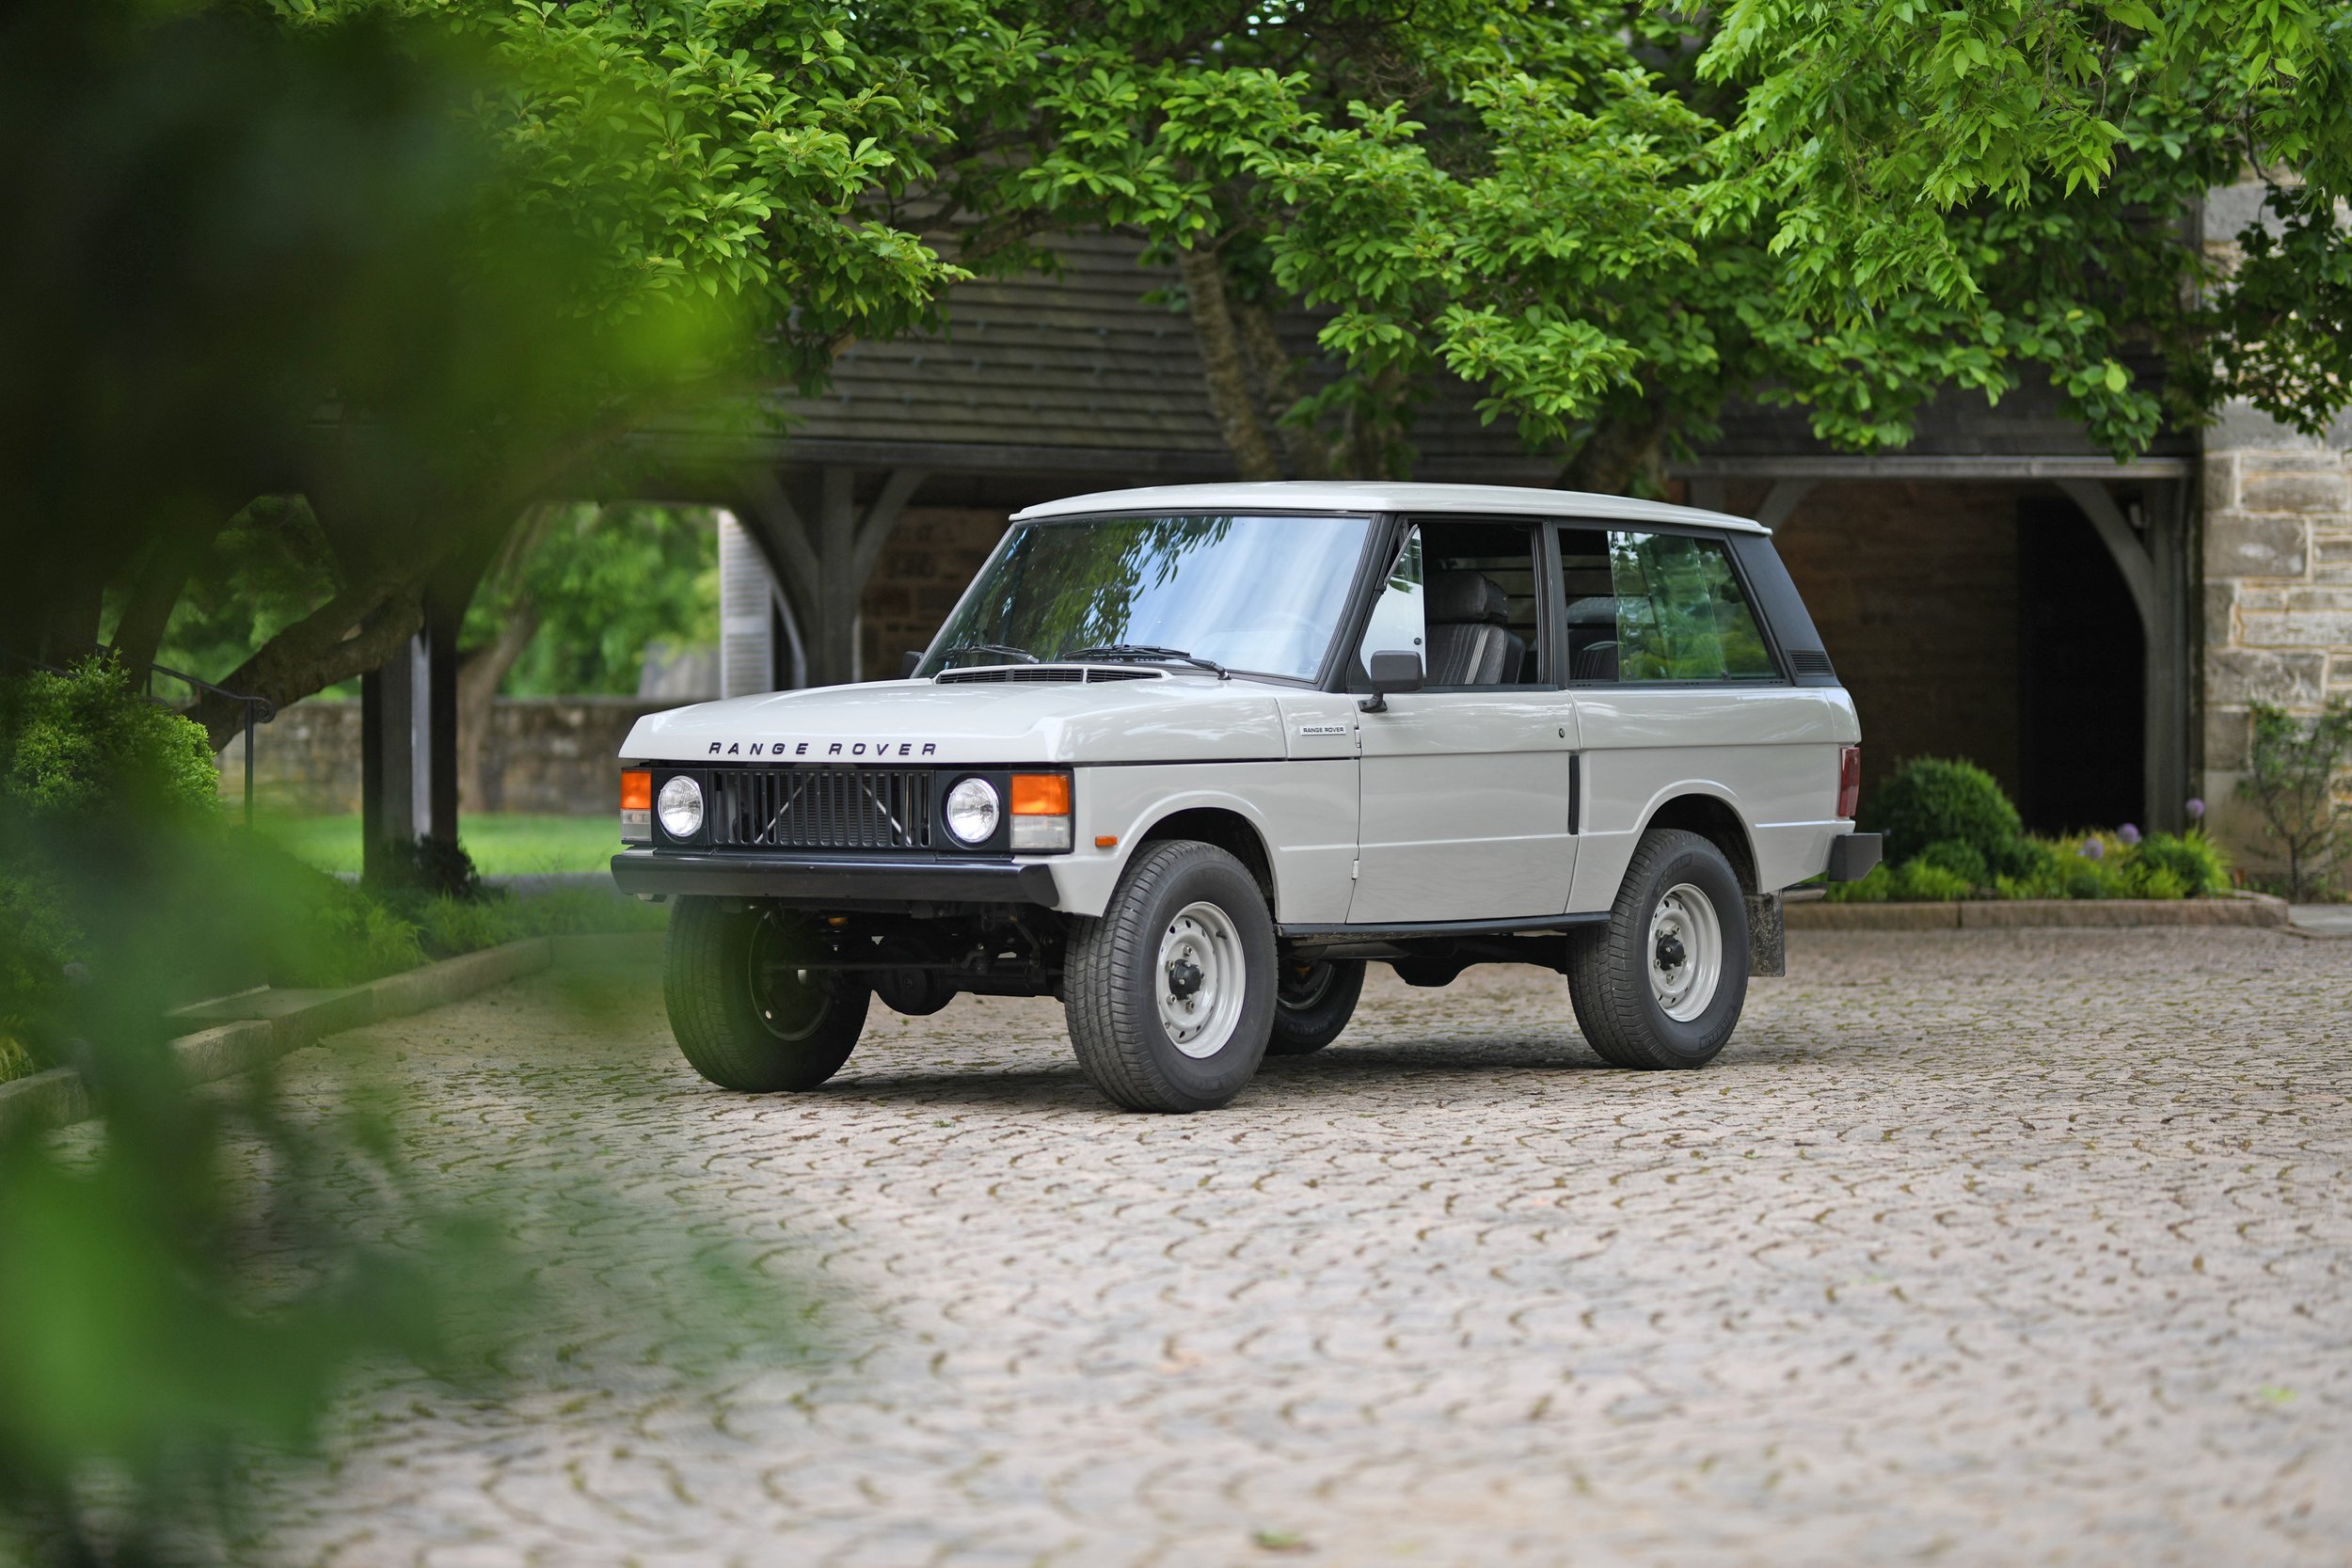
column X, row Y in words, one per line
column 1849, row 781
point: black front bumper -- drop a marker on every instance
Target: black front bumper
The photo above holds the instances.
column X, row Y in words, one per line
column 833, row 882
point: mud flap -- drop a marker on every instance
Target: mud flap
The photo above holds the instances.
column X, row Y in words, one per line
column 1768, row 942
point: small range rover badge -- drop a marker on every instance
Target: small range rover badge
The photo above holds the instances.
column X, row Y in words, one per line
column 1323, row 729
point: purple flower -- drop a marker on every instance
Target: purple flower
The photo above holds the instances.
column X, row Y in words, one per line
column 2094, row 850
column 2128, row 833
column 2196, row 809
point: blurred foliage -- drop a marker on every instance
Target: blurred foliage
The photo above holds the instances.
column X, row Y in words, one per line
column 2291, row 777
column 599, row 583
column 417, row 264
column 186, row 1298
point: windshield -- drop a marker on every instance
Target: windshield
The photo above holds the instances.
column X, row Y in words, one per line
column 1262, row 595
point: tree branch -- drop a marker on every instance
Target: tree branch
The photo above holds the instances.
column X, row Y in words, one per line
column 350, row 634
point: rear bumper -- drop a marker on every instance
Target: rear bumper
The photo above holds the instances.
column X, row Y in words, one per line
column 1851, row 856
column 834, row 883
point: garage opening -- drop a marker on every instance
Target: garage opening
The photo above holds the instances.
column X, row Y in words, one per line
column 2081, row 714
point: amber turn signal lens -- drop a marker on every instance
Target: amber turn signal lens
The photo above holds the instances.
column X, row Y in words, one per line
column 1106, row 841
column 1041, row 795
column 636, row 791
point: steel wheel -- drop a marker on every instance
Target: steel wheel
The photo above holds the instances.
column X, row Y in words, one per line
column 1202, row 977
column 1686, row 953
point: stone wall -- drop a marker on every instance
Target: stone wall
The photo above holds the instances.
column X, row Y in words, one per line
column 552, row 755
column 2277, row 597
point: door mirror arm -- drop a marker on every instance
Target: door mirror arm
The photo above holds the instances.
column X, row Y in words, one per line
column 1395, row 670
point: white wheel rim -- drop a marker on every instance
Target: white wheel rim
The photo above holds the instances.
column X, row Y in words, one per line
column 1200, row 980
column 1685, row 952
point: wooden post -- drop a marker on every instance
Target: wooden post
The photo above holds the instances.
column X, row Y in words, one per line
column 823, row 547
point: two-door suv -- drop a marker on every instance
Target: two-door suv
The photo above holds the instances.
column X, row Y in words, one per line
column 1186, row 758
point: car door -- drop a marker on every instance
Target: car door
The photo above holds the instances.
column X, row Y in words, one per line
column 1464, row 786
column 1677, row 693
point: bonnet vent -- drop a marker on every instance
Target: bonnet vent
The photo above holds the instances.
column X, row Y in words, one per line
column 1016, row 675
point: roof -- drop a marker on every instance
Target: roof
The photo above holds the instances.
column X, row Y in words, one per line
column 1484, row 501
column 1087, row 369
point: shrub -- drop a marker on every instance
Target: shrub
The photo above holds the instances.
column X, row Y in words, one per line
column 1961, row 860
column 86, row 742
column 1874, row 887
column 1920, row 881
column 2290, row 777
column 2193, row 860
column 1932, row 801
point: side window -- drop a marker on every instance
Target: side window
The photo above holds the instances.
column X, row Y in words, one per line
column 1396, row 616
column 1672, row 610
column 1480, row 604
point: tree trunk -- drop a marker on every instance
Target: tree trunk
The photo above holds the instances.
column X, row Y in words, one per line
column 1276, row 381
column 147, row 613
column 1626, row 454
column 479, row 677
column 1224, row 366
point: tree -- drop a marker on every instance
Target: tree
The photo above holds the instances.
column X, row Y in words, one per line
column 1612, row 220
column 414, row 263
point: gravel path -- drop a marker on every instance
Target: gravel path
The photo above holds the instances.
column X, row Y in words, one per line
column 1991, row 1247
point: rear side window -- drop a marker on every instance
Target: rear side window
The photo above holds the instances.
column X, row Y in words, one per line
column 1669, row 607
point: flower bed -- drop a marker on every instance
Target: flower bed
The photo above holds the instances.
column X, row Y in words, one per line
column 1951, row 835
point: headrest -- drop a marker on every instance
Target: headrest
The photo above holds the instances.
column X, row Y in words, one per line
column 1598, row 611
column 1466, row 598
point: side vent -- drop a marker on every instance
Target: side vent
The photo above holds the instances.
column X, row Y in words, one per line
column 1809, row 662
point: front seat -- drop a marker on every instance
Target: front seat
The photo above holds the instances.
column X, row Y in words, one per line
column 1469, row 640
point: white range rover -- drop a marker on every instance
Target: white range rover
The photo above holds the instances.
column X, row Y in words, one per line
column 1186, row 758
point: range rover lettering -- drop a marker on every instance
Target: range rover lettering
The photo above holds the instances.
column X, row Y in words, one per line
column 1188, row 758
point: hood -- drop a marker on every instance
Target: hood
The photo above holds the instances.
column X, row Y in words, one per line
column 1181, row 717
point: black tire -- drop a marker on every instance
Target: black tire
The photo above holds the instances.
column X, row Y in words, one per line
column 791, row 1031
column 1610, row 968
column 1313, row 1003
column 1113, row 979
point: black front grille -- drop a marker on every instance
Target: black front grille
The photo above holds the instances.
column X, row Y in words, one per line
column 821, row 808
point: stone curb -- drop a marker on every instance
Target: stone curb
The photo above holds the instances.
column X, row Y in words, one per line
column 2238, row 909
column 58, row 1098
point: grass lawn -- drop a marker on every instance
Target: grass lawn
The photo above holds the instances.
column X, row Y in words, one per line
column 501, row 843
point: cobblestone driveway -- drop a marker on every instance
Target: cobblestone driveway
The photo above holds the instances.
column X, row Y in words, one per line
column 1975, row 1248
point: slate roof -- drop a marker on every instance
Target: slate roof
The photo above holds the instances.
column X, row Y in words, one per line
column 1079, row 373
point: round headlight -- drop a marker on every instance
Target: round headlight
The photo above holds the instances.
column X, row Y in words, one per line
column 972, row 810
column 680, row 807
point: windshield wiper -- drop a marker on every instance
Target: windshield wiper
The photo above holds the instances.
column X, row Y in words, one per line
column 999, row 649
column 1145, row 651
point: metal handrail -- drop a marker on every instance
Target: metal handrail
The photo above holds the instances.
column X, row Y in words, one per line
column 258, row 710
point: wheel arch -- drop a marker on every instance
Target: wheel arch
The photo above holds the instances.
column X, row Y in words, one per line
column 1713, row 818
column 1229, row 829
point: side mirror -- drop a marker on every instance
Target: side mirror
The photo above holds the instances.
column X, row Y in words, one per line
column 1394, row 670
column 910, row 663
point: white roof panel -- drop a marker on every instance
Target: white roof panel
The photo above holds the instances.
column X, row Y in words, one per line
column 1377, row 496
